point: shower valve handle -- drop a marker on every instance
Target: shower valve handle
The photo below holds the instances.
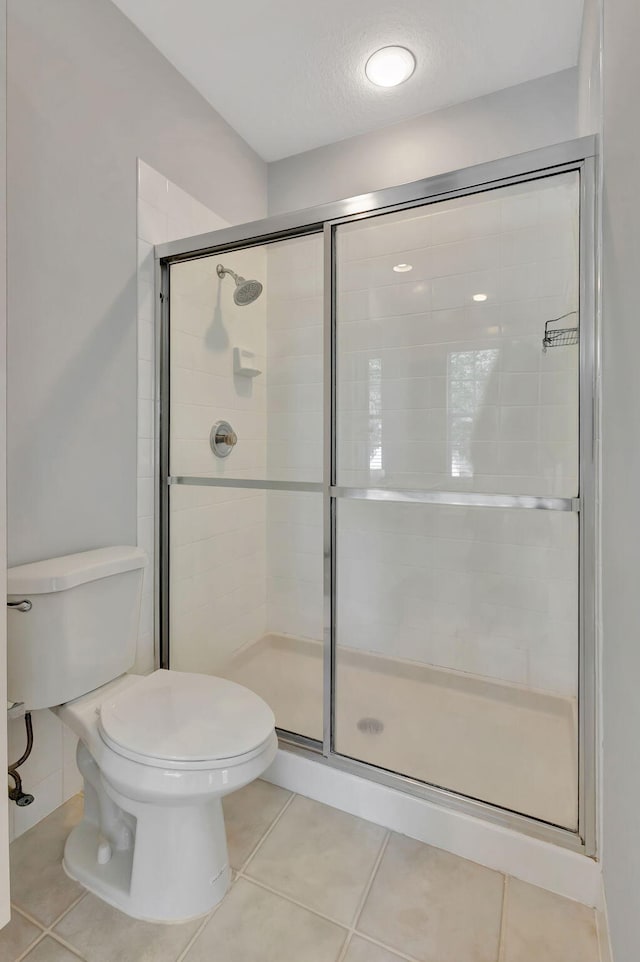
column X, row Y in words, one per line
column 231, row 438
column 223, row 439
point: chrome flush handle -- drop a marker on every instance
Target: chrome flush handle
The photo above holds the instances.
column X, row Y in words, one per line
column 20, row 605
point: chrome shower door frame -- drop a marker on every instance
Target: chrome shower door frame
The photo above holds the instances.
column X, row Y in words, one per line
column 578, row 155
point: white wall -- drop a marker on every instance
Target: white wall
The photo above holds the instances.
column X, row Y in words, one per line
column 88, row 94
column 76, row 129
column 4, row 834
column 589, row 70
column 621, row 470
column 521, row 118
column 165, row 212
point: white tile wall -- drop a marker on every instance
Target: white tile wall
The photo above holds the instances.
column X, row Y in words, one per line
column 434, row 390
column 486, row 591
column 295, row 564
column 218, row 582
column 295, row 435
column 457, row 394
column 218, row 573
column 50, row 774
column 224, row 593
column 415, row 346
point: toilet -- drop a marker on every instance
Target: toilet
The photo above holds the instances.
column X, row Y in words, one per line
column 157, row 752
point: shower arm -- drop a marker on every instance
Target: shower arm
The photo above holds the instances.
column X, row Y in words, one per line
column 221, row 271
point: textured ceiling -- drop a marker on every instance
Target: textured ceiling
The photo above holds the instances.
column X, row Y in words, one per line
column 288, row 75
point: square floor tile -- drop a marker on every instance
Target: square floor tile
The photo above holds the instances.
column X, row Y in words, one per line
column 360, row 950
column 540, row 925
column 17, row 936
column 50, row 951
column 247, row 816
column 253, row 925
column 38, row 882
column 433, row 905
column 320, row 856
column 101, row 933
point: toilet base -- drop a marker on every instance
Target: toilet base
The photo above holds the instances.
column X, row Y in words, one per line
column 159, row 863
column 110, row 882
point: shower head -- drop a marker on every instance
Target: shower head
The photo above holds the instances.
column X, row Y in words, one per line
column 246, row 292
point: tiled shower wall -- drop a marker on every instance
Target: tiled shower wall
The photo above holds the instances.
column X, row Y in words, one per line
column 435, row 390
column 218, row 573
column 295, row 433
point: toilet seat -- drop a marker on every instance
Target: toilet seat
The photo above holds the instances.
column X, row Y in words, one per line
column 179, row 720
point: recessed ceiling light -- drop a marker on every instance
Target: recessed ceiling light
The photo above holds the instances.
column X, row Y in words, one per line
column 390, row 66
column 479, row 297
column 401, row 268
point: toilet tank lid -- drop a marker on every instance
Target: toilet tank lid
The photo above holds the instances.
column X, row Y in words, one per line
column 59, row 574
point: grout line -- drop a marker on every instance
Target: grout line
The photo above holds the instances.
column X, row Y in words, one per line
column 266, row 834
column 503, row 920
column 29, row 948
column 387, row 947
column 364, row 896
column 67, row 910
column 374, row 871
column 289, row 898
column 237, row 874
column 28, row 917
column 349, row 928
column 67, row 945
column 45, row 930
column 198, row 932
column 345, row 947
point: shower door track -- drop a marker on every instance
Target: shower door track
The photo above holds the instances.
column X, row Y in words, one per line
column 578, row 155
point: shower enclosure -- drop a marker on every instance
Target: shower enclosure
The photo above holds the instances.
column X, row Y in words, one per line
column 377, row 504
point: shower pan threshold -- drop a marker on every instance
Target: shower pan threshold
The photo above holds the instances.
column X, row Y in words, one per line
column 501, row 743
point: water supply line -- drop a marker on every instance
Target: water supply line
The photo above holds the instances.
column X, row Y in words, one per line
column 16, row 794
column 16, row 710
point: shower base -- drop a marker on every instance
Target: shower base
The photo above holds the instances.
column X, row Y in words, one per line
column 496, row 742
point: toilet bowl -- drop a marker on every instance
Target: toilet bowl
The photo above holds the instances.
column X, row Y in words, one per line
column 157, row 752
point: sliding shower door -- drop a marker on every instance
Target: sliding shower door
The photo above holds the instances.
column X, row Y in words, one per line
column 457, row 453
column 396, row 549
column 245, row 597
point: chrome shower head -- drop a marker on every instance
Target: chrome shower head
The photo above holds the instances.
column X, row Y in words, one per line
column 246, row 292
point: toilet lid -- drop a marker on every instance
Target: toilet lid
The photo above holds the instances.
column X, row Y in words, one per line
column 179, row 716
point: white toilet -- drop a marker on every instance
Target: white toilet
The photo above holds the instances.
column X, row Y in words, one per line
column 157, row 752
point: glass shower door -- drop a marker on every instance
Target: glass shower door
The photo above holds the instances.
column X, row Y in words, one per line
column 245, row 529
column 457, row 473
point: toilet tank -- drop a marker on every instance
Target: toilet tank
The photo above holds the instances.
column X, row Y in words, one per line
column 80, row 625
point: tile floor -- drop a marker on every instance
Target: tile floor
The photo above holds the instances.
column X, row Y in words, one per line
column 312, row 884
